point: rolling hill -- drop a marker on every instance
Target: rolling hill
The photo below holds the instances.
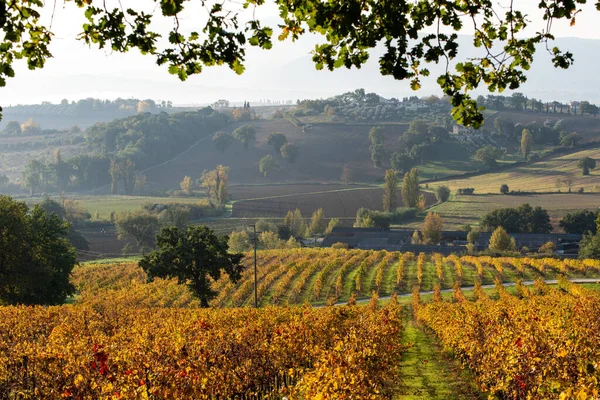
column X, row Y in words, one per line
column 547, row 175
column 324, row 150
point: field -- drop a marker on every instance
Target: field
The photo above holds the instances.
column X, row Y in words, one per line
column 103, row 205
column 341, row 203
column 461, row 210
column 257, row 192
column 15, row 152
column 540, row 176
column 125, row 338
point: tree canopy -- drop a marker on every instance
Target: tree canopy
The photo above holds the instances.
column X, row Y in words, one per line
column 412, row 34
column 36, row 259
column 191, row 256
column 523, row 219
column 581, row 222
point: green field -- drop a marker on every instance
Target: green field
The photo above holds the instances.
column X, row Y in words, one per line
column 461, row 210
column 540, row 176
column 103, row 205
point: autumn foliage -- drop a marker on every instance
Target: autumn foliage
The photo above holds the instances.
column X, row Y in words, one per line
column 115, row 351
column 542, row 346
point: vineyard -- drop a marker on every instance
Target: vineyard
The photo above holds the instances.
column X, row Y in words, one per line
column 107, row 351
column 540, row 344
column 125, row 337
column 322, row 276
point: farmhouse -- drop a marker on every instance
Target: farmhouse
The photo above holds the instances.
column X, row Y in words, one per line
column 452, row 241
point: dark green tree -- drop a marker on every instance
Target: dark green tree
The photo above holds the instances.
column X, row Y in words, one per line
column 442, row 193
column 488, row 155
column 410, row 188
column 390, row 190
column 523, row 219
column 192, row 256
column 504, row 189
column 277, row 141
column 222, row 140
column 401, row 162
column 590, row 246
column 580, row 222
column 569, row 139
column 290, row 152
column 377, row 135
column 245, row 134
column 36, row 259
column 586, row 163
column 378, row 155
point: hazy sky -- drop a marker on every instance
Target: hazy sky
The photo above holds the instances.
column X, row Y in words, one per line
column 285, row 72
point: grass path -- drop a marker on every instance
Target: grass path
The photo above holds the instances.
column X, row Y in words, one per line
column 428, row 373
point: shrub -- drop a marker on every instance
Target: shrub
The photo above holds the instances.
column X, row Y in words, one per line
column 501, row 241
column 339, row 245
column 442, row 193
column 402, row 214
column 465, row 191
column 547, row 248
column 504, row 189
column 473, row 236
column 366, row 218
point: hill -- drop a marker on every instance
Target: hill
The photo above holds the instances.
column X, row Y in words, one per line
column 324, row 150
column 588, row 127
column 547, row 175
column 468, row 210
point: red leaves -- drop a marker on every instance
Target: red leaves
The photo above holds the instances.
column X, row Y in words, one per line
column 100, row 359
column 203, row 325
column 519, row 342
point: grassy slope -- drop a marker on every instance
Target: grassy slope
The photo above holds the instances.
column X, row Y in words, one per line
column 323, row 152
column 536, row 177
column 463, row 210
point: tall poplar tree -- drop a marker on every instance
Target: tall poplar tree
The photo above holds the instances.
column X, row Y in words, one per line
column 526, row 142
column 390, row 188
column 410, row 188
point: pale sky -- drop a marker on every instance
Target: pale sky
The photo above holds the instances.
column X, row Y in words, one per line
column 285, row 72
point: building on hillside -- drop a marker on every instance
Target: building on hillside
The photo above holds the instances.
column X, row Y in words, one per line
column 452, row 241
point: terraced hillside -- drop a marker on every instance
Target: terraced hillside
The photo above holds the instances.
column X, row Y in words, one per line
column 320, row 276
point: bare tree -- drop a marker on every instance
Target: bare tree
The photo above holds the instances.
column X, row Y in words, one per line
column 568, row 180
